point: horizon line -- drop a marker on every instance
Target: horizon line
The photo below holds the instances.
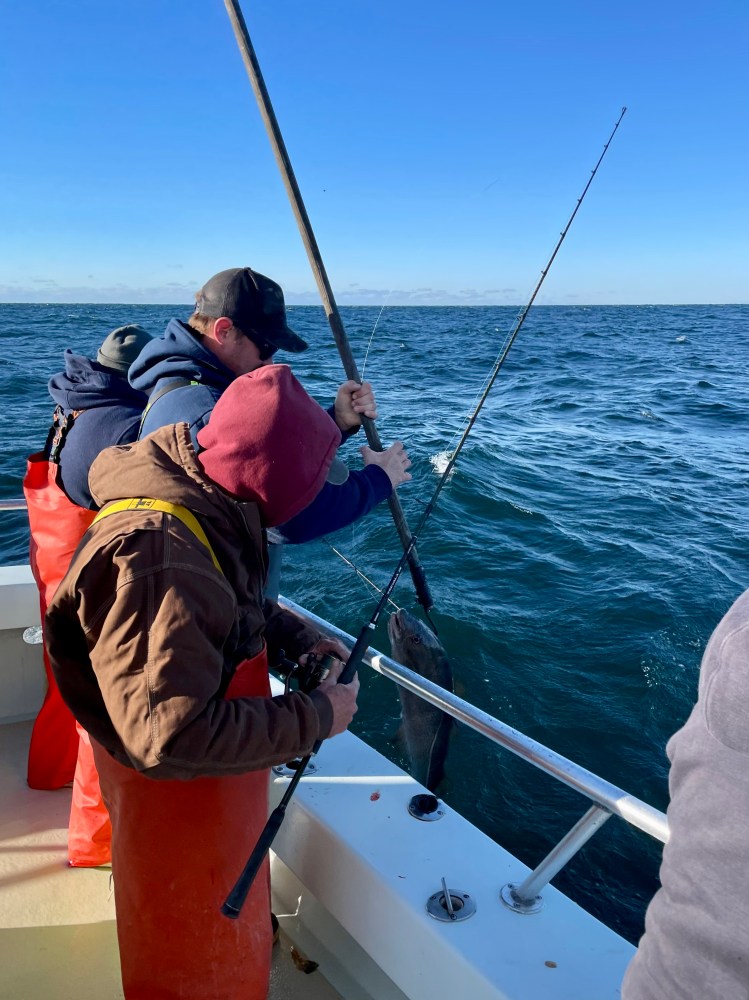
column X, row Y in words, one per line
column 405, row 305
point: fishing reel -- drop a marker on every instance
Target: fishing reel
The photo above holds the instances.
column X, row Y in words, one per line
column 306, row 676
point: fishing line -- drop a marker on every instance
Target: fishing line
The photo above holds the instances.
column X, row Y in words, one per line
column 358, row 572
column 371, row 336
column 361, row 643
column 374, row 586
column 485, row 380
column 234, row 902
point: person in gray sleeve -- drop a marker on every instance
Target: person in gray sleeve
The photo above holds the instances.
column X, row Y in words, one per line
column 696, row 941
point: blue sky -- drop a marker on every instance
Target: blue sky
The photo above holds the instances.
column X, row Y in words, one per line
column 440, row 149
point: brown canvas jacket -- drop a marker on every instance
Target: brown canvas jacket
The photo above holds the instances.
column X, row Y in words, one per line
column 144, row 632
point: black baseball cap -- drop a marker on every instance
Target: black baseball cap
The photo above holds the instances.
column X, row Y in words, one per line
column 253, row 302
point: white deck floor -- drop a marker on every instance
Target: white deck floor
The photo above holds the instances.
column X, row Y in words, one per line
column 57, row 928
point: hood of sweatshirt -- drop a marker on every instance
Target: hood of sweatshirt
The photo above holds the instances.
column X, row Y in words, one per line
column 177, row 354
column 270, row 442
column 162, row 466
column 86, row 385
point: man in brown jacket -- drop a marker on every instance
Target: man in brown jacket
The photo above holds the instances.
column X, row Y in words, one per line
column 158, row 637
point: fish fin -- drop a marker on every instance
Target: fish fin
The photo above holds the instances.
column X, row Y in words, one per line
column 398, row 738
column 438, row 753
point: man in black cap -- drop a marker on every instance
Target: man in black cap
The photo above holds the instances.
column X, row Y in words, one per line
column 238, row 325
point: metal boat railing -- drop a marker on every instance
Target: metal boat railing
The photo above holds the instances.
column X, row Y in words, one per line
column 608, row 800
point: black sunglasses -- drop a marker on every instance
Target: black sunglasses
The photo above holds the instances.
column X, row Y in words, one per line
column 265, row 349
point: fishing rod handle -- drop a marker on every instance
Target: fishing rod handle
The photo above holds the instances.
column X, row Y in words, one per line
column 351, row 666
column 234, row 902
column 356, row 655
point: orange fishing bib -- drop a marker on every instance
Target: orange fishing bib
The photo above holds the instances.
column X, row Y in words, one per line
column 56, row 527
column 177, row 847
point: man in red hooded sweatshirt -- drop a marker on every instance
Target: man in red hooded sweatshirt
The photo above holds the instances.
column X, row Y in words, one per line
column 159, row 638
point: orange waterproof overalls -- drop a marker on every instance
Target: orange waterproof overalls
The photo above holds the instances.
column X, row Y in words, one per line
column 177, row 849
column 60, row 751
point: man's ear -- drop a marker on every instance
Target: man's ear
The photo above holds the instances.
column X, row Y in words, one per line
column 221, row 328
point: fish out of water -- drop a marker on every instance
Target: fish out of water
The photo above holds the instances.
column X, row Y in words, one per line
column 425, row 728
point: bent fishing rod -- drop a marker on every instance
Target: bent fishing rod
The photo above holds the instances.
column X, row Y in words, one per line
column 242, row 35
column 232, row 906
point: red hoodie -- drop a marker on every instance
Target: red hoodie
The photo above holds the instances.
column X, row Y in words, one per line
column 270, row 442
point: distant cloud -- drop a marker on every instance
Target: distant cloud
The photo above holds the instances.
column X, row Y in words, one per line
column 47, row 290
column 357, row 295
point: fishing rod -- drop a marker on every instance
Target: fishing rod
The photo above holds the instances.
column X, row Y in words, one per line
column 235, row 900
column 242, row 35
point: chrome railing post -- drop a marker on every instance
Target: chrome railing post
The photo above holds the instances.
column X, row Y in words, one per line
column 526, row 897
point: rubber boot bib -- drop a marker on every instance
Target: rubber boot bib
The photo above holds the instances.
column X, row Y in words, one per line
column 177, row 848
column 89, row 829
column 56, row 527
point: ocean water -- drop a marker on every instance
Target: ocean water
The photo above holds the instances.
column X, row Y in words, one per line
column 592, row 535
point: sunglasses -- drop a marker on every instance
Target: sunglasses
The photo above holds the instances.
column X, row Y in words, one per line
column 265, row 349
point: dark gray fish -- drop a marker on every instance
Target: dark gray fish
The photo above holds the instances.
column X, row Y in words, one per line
column 426, row 729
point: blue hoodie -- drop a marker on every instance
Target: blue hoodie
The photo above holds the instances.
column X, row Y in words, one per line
column 111, row 415
column 179, row 355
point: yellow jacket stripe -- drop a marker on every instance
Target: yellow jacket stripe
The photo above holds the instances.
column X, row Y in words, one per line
column 177, row 510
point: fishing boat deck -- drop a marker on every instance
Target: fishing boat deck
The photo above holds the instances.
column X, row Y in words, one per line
column 57, row 924
column 352, row 875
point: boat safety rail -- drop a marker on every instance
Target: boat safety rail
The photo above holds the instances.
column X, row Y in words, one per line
column 608, row 799
column 13, row 504
column 615, row 800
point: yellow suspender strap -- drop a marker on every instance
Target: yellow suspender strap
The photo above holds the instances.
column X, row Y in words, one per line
column 182, row 513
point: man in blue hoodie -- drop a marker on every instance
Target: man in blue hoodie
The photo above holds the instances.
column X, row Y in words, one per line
column 98, row 404
column 96, row 408
column 238, row 325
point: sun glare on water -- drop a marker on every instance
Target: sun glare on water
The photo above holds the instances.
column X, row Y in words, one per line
column 440, row 462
